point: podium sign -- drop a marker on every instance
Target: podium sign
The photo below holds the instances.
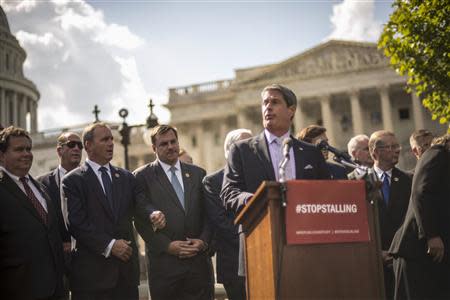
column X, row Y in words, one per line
column 318, row 213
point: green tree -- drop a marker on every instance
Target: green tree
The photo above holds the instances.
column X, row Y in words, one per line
column 417, row 41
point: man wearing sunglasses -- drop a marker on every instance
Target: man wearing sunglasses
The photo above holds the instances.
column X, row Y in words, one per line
column 68, row 148
column 394, row 195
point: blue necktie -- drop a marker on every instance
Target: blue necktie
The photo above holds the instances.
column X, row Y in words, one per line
column 107, row 185
column 177, row 185
column 385, row 188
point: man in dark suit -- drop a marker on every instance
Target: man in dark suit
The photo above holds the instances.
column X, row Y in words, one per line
column 101, row 200
column 69, row 147
column 31, row 254
column 420, row 246
column 395, row 192
column 178, row 267
column 314, row 134
column 252, row 161
column 225, row 232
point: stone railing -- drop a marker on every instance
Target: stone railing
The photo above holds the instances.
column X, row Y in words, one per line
column 206, row 87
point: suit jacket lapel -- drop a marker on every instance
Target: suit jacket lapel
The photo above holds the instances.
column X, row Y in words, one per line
column 116, row 191
column 20, row 195
column 165, row 183
column 299, row 158
column 394, row 188
column 262, row 151
column 92, row 181
column 187, row 185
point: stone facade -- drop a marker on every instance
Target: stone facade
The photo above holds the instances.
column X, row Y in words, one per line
column 18, row 95
column 348, row 87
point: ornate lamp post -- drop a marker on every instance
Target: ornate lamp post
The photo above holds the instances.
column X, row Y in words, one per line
column 124, row 129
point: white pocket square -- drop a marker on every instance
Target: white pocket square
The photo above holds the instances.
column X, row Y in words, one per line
column 308, row 167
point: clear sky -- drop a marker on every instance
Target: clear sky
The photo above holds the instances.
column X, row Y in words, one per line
column 120, row 53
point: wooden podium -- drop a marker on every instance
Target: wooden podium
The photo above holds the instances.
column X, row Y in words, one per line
column 276, row 270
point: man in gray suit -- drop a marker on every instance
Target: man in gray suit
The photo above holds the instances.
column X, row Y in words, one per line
column 176, row 254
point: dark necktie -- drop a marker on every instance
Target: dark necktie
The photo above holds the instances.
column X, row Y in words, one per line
column 177, row 185
column 385, row 188
column 107, row 185
column 32, row 197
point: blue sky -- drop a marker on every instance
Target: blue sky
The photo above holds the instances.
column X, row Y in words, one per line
column 120, row 53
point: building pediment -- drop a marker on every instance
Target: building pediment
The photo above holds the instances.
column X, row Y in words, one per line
column 330, row 58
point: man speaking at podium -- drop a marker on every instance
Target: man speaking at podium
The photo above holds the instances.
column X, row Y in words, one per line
column 254, row 160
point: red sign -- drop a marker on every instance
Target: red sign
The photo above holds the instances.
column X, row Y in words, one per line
column 326, row 211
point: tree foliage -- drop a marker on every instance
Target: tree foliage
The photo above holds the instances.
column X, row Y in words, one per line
column 417, row 40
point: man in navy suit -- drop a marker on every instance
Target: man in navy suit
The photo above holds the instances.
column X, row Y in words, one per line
column 395, row 193
column 31, row 256
column 101, row 200
column 252, row 161
column 226, row 238
column 69, row 147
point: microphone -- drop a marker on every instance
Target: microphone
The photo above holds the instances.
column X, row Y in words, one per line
column 323, row 145
column 287, row 145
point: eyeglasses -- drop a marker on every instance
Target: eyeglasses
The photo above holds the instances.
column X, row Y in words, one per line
column 394, row 147
column 72, row 144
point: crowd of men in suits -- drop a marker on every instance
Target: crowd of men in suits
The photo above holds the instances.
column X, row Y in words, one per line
column 73, row 228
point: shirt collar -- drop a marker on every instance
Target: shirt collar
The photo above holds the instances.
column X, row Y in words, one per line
column 62, row 171
column 380, row 172
column 270, row 136
column 95, row 166
column 13, row 177
column 166, row 167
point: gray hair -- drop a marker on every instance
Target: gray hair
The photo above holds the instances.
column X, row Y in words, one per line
column 233, row 136
column 351, row 146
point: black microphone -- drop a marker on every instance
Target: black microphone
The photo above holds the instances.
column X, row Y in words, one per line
column 287, row 145
column 323, row 145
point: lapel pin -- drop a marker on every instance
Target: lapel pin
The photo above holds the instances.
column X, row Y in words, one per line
column 117, row 175
column 395, row 179
column 187, row 175
column 300, row 148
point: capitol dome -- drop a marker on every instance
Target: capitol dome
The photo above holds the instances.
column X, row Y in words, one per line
column 18, row 95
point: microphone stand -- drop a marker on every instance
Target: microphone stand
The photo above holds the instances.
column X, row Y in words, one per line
column 282, row 179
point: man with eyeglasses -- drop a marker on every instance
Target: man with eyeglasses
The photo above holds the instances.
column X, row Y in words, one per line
column 394, row 195
column 358, row 148
column 68, row 148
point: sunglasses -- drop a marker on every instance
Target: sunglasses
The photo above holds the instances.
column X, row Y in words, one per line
column 72, row 144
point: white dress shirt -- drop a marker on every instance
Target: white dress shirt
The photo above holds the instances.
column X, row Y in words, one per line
column 276, row 154
column 166, row 168
column 35, row 190
column 380, row 172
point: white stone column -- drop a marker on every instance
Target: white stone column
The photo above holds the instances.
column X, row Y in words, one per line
column 199, row 136
column 3, row 109
column 357, row 115
column 327, row 117
column 386, row 109
column 15, row 104
column 33, row 113
column 23, row 112
column 243, row 119
column 299, row 118
column 418, row 113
